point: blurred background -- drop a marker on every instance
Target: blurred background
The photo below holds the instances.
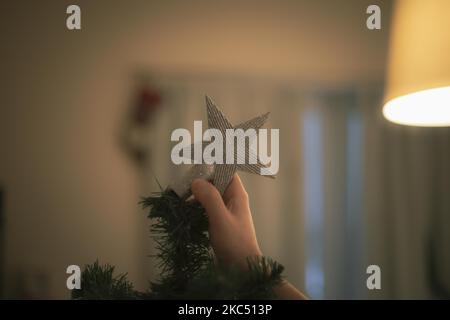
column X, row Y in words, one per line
column 86, row 117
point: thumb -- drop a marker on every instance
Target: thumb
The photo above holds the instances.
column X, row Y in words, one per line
column 210, row 199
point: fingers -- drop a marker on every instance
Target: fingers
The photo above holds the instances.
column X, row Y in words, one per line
column 235, row 190
column 210, row 199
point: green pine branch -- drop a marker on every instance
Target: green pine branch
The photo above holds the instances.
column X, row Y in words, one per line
column 185, row 258
column 98, row 282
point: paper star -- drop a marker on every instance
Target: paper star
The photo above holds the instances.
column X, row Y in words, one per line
column 223, row 173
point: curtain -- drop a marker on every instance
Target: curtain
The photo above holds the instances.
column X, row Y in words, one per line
column 407, row 206
column 352, row 190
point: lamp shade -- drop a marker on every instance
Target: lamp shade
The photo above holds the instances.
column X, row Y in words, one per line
column 418, row 74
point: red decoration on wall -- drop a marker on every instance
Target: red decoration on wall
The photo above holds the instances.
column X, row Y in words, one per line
column 137, row 133
column 148, row 101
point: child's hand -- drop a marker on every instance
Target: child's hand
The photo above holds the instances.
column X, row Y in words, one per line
column 231, row 227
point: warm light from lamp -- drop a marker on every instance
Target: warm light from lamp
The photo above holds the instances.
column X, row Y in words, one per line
column 423, row 108
column 418, row 76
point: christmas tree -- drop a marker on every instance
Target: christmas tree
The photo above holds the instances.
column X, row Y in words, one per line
column 179, row 227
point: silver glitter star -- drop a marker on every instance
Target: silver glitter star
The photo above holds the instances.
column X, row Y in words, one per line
column 221, row 174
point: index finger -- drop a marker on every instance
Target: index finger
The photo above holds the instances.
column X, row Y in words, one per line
column 235, row 190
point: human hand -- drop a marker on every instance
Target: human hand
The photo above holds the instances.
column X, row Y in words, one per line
column 231, row 229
